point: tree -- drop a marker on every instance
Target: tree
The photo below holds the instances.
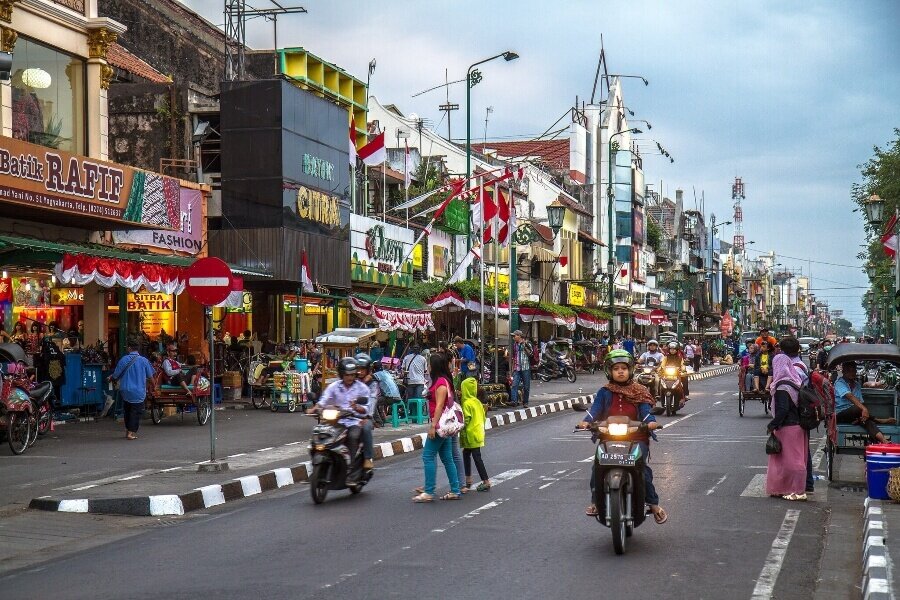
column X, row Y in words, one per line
column 654, row 235
column 842, row 327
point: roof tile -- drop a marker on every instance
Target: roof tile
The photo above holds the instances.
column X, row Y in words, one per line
column 553, row 153
column 119, row 57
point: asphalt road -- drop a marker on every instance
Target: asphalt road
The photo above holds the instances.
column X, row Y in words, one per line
column 526, row 538
column 78, row 454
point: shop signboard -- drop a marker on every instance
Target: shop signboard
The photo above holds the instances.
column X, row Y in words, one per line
column 439, row 245
column 38, row 177
column 380, row 252
column 502, row 278
column 150, row 302
column 187, row 236
column 576, row 294
column 455, row 217
column 67, row 296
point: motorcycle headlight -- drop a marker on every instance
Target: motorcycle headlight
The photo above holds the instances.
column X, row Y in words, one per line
column 618, row 428
column 671, row 372
column 648, row 370
column 331, row 414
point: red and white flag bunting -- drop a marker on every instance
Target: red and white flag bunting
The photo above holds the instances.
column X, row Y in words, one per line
column 407, row 169
column 460, row 273
column 889, row 239
column 374, row 152
column 305, row 276
column 353, row 154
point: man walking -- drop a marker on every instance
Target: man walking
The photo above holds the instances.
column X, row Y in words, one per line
column 413, row 368
column 689, row 353
column 522, row 351
column 132, row 373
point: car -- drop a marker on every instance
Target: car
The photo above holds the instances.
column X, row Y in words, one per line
column 806, row 342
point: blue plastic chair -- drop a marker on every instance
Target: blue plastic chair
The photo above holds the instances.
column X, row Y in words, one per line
column 396, row 419
column 418, row 409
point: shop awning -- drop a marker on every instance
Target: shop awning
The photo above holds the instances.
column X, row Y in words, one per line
column 589, row 321
column 347, row 336
column 583, row 235
column 530, row 314
column 642, row 317
column 391, row 313
column 455, row 300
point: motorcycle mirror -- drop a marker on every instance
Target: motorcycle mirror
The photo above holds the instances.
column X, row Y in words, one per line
column 579, row 407
column 362, row 400
column 657, row 410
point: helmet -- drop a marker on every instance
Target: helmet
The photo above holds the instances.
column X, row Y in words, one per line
column 618, row 356
column 376, row 366
column 347, row 366
column 673, row 345
column 363, row 361
column 652, row 342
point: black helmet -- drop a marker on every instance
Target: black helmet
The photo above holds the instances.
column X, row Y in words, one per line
column 363, row 361
column 347, row 366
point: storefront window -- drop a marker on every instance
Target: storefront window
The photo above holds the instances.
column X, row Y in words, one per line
column 48, row 97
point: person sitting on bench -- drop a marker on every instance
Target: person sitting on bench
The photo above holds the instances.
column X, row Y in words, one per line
column 172, row 370
column 848, row 404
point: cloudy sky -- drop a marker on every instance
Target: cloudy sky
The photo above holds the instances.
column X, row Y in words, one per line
column 790, row 95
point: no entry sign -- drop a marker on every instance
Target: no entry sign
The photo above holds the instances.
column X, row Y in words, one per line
column 657, row 316
column 208, row 280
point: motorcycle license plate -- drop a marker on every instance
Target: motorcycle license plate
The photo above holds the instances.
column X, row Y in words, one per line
column 623, row 460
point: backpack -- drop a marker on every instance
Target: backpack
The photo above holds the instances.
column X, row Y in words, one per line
column 809, row 404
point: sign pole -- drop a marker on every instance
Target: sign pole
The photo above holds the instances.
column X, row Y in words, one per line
column 496, row 282
column 212, row 385
column 481, row 278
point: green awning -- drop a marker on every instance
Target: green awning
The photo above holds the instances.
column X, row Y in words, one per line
column 52, row 252
column 392, row 302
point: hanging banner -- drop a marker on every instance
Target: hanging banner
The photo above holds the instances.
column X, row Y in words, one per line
column 188, row 235
column 392, row 319
column 576, row 295
column 379, row 252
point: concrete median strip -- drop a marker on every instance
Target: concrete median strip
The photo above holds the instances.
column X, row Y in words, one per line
column 252, row 485
column 876, row 582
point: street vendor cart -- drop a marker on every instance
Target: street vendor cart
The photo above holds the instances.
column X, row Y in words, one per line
column 338, row 344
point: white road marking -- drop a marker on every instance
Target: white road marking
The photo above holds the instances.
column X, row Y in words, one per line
column 131, row 477
column 169, row 469
column 765, row 583
column 736, row 394
column 719, row 402
column 236, row 455
column 720, row 393
column 756, row 488
column 84, row 487
column 293, row 443
column 265, row 449
column 548, row 484
column 588, row 459
column 471, row 514
column 713, row 488
column 507, row 475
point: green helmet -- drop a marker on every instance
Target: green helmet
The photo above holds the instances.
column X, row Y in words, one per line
column 618, row 356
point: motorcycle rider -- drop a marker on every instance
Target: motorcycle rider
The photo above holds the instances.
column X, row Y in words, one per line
column 364, row 374
column 551, row 358
column 673, row 358
column 342, row 394
column 622, row 396
column 652, row 353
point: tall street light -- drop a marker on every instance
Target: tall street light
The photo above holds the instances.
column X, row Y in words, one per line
column 874, row 207
column 613, row 148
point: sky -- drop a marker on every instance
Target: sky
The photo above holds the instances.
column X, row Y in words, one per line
column 789, row 95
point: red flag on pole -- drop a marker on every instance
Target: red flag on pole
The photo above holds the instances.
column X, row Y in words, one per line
column 374, row 152
column 353, row 154
column 889, row 239
column 305, row 276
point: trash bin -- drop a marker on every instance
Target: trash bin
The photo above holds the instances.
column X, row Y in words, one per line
column 880, row 459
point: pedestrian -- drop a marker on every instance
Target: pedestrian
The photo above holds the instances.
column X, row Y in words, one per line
column 689, row 352
column 132, row 374
column 466, row 357
column 786, row 474
column 471, row 438
column 628, row 345
column 439, row 395
column 521, row 379
column 413, row 368
column 698, row 357
column 791, row 347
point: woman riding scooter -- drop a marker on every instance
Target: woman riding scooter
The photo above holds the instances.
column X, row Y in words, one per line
column 623, row 396
column 673, row 358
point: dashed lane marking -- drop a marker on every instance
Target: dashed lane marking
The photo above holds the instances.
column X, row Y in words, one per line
column 756, row 488
column 507, row 475
column 765, row 583
column 720, row 393
column 713, row 488
column 471, row 514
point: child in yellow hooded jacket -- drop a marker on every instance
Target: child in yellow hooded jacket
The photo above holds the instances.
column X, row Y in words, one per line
column 471, row 438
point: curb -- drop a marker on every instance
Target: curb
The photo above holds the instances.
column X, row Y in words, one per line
column 714, row 372
column 251, row 485
column 876, row 581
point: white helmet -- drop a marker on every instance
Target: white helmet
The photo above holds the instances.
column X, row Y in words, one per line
column 652, row 342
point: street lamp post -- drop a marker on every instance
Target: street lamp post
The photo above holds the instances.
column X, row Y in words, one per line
column 874, row 208
column 610, row 196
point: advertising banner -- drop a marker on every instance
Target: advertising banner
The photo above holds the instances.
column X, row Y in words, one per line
column 187, row 236
column 380, row 252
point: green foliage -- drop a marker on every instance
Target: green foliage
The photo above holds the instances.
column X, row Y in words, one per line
column 654, row 235
column 469, row 289
column 842, row 327
column 553, row 309
column 594, row 312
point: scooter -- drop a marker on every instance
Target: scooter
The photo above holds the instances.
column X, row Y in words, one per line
column 333, row 467
column 618, row 469
column 548, row 370
column 648, row 377
column 671, row 391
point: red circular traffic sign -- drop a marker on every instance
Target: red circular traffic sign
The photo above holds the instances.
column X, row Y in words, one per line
column 657, row 316
column 208, row 280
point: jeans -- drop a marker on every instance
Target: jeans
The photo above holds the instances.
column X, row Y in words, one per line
column 457, row 460
column 133, row 412
column 650, row 495
column 415, row 390
column 523, row 379
column 442, row 447
column 354, row 432
column 468, row 455
column 366, row 438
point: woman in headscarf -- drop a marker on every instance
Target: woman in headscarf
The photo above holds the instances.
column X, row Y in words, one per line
column 786, row 475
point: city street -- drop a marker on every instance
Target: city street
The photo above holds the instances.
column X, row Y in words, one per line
column 526, row 538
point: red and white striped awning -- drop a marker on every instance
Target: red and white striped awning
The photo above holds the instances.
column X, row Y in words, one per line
column 454, row 299
column 529, row 314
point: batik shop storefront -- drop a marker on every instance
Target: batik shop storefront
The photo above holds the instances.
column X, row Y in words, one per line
column 65, row 278
column 285, row 198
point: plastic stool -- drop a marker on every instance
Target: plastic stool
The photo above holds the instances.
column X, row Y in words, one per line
column 396, row 419
column 418, row 410
column 217, row 393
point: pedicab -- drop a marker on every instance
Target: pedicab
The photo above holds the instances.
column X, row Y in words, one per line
column 746, row 391
column 851, row 438
column 162, row 395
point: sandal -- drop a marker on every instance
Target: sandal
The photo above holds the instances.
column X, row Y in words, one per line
column 660, row 515
column 591, row 510
column 464, row 490
column 450, row 496
column 483, row 487
column 795, row 497
column 420, row 489
column 423, row 497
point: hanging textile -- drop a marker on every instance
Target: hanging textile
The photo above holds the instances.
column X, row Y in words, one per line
column 392, row 319
column 529, row 314
column 79, row 270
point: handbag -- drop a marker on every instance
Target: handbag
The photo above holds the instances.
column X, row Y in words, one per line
column 451, row 421
column 773, row 444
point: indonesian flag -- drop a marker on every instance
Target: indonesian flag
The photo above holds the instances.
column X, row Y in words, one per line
column 460, row 273
column 507, row 219
column 889, row 239
column 305, row 276
column 374, row 153
column 407, row 169
column 483, row 211
column 353, row 154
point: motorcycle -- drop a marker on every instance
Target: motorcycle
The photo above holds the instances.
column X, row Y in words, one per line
column 619, row 492
column 555, row 368
column 333, row 467
column 648, row 377
column 671, row 392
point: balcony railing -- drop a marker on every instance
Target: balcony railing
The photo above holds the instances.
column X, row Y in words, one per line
column 76, row 5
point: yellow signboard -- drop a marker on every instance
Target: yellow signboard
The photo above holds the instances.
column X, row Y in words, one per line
column 503, row 278
column 150, row 302
column 417, row 256
column 576, row 295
